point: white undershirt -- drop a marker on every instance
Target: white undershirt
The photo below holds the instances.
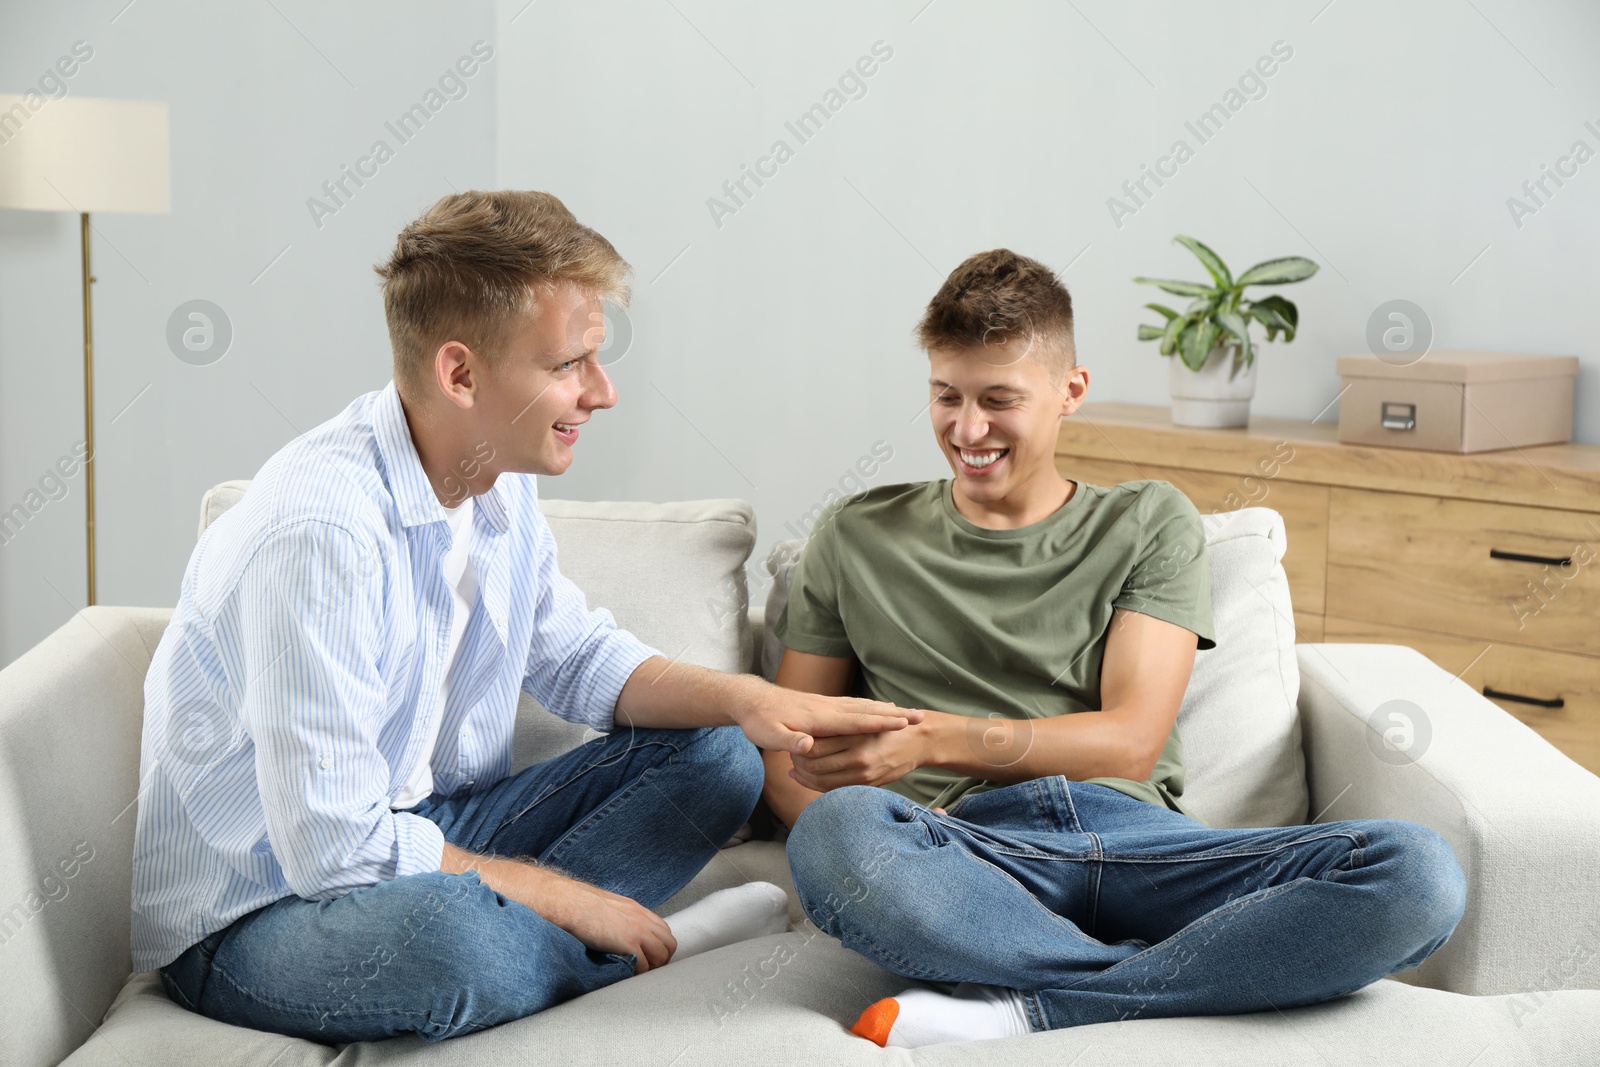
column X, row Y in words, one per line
column 463, row 582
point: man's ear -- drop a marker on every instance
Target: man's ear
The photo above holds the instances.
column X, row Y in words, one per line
column 1073, row 388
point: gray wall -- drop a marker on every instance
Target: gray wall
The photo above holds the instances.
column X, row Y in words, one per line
column 776, row 351
column 267, row 101
column 772, row 352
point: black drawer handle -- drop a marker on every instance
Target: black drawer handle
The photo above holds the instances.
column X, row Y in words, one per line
column 1551, row 561
column 1495, row 694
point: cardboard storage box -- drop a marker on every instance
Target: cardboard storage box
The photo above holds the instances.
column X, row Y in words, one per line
column 1457, row 401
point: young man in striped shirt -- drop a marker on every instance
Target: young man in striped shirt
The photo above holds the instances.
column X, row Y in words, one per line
column 329, row 842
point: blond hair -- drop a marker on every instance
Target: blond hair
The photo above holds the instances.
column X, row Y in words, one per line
column 471, row 267
column 998, row 296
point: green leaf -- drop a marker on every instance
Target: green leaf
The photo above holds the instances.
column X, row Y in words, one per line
column 1196, row 344
column 1209, row 260
column 1169, row 340
column 1177, row 288
column 1151, row 333
column 1285, row 309
column 1278, row 271
column 1236, row 324
column 1166, row 312
column 1271, row 321
column 1277, row 315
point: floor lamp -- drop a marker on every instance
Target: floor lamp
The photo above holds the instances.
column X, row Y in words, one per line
column 85, row 155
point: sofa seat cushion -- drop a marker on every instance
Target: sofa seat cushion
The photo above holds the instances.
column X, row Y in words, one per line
column 788, row 999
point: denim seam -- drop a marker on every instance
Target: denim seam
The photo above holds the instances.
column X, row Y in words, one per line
column 1155, row 857
column 600, row 814
column 1060, row 920
column 569, row 780
column 1038, row 1018
column 1096, row 869
column 589, row 822
column 172, row 986
column 1074, row 823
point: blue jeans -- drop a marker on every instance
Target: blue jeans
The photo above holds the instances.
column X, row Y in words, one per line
column 638, row 812
column 1099, row 907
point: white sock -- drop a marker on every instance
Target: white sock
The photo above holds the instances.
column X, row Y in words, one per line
column 920, row 1017
column 754, row 909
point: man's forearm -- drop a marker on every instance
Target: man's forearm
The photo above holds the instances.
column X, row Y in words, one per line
column 524, row 882
column 786, row 797
column 1091, row 744
column 667, row 693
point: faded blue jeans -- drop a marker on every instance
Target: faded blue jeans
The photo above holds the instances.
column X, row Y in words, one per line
column 638, row 812
column 1099, row 907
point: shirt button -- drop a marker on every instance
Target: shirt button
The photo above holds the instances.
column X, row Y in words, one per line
column 325, row 762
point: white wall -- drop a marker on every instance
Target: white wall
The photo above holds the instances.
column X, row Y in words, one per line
column 268, row 101
column 772, row 353
column 1385, row 149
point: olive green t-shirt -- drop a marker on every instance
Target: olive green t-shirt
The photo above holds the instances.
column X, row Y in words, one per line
column 945, row 614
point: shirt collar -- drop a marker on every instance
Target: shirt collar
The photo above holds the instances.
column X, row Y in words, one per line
column 403, row 473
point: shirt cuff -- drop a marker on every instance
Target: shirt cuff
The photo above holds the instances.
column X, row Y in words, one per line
column 614, row 665
column 418, row 844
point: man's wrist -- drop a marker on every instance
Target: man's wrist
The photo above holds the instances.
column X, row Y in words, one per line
column 750, row 699
column 941, row 733
column 948, row 744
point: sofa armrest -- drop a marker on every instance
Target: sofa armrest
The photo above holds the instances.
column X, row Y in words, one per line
column 71, row 710
column 1524, row 820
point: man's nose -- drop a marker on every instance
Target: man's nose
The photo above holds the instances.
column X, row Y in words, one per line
column 598, row 392
column 972, row 425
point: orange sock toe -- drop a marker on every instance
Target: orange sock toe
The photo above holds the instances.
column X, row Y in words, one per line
column 876, row 1022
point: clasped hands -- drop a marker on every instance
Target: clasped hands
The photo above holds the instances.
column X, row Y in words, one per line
column 838, row 741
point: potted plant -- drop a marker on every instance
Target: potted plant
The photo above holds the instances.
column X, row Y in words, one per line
column 1214, row 377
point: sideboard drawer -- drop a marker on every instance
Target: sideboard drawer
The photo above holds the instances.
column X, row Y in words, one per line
column 1304, row 509
column 1508, row 671
column 1466, row 568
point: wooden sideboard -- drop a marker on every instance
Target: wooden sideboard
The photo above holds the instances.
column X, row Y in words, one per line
column 1488, row 564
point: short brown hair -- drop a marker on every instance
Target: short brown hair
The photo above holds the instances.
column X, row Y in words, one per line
column 995, row 297
column 470, row 268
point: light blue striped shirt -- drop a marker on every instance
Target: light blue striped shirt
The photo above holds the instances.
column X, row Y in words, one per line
column 288, row 701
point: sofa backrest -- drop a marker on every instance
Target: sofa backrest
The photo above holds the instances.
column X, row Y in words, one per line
column 1243, row 762
column 71, row 711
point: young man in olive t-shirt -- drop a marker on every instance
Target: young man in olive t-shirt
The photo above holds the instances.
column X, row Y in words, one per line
column 1029, row 842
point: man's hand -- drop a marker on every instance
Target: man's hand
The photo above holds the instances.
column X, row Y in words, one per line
column 603, row 921
column 787, row 720
column 865, row 759
column 664, row 693
column 608, row 922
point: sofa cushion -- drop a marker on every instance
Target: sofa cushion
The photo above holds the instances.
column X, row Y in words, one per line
column 671, row 573
column 788, row 998
column 1243, row 763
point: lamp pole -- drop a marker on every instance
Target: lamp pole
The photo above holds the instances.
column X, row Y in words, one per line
column 88, row 397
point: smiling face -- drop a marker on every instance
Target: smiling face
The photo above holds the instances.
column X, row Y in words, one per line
column 546, row 384
column 519, row 412
column 996, row 411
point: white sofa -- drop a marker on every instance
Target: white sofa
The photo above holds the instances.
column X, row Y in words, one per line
column 1274, row 734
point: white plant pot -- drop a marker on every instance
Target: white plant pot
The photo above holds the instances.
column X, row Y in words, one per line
column 1212, row 397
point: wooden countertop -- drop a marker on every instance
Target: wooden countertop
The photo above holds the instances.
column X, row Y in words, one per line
column 1551, row 476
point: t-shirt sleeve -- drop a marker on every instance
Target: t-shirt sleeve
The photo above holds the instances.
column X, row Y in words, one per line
column 1171, row 579
column 811, row 621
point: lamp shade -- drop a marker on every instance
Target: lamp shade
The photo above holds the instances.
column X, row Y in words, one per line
column 83, row 154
